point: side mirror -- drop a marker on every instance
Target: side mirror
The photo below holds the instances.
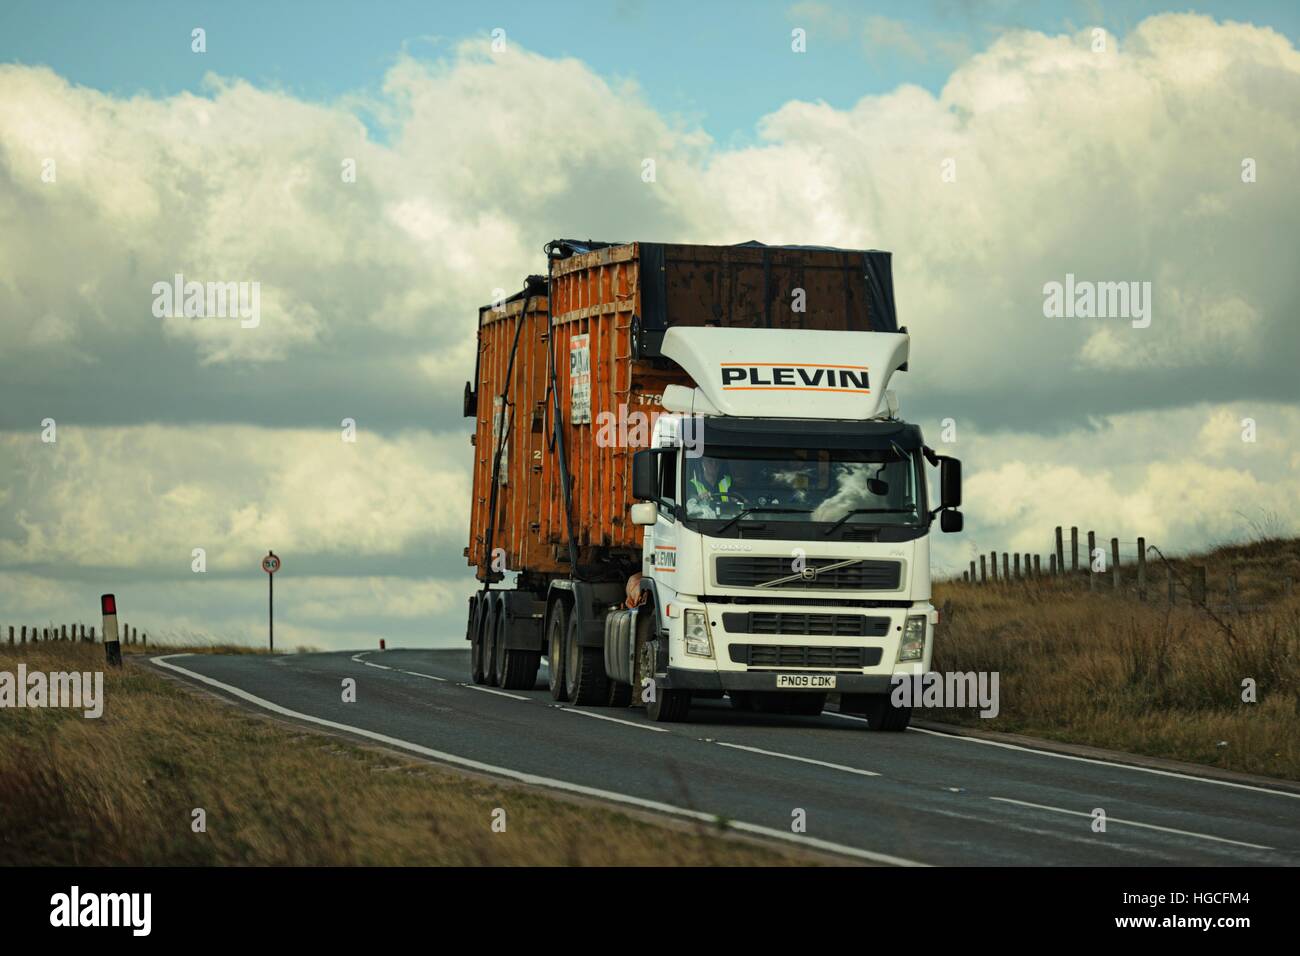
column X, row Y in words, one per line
column 951, row 522
column 645, row 513
column 470, row 407
column 949, row 483
column 645, row 475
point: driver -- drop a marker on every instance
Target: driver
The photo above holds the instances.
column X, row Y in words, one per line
column 710, row 487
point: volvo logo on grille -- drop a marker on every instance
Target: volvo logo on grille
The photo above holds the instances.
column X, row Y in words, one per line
column 808, row 574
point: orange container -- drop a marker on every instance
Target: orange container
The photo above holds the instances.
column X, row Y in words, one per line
column 609, row 306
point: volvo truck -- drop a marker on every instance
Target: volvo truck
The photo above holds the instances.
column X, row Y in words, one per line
column 692, row 482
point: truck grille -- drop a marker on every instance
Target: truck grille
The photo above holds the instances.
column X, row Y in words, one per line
column 798, row 622
column 789, row 655
column 863, row 576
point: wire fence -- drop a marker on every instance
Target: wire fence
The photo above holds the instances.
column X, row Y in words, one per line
column 1130, row 567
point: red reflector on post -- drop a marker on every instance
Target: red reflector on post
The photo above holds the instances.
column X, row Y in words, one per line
column 108, row 604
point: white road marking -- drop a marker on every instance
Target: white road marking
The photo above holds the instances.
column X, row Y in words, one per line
column 1097, row 760
column 490, row 690
column 1132, row 823
column 535, row 780
column 380, row 666
column 430, row 676
column 616, row 720
column 819, row 763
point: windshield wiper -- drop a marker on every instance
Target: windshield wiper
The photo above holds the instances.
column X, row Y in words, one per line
column 868, row 511
column 750, row 511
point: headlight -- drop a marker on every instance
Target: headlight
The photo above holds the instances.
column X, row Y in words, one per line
column 912, row 647
column 695, row 628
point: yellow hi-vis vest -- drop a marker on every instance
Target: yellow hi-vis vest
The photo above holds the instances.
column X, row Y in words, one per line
column 724, row 483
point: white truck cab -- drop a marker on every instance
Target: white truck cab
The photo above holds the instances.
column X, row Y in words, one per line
column 787, row 518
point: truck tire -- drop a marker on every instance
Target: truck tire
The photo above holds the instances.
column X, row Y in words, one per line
column 879, row 710
column 584, row 670
column 489, row 651
column 620, row 694
column 557, row 628
column 476, row 643
column 520, row 669
column 668, row 706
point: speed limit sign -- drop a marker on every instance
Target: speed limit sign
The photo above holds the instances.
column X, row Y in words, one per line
column 270, row 563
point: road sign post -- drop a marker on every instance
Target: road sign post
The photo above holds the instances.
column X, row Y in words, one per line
column 270, row 564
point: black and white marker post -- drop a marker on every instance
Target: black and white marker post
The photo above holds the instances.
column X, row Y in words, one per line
column 270, row 564
column 112, row 646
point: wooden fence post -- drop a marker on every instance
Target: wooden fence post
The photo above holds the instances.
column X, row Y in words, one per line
column 1051, row 565
column 11, row 633
column 1058, row 566
column 144, row 640
column 1142, row 569
column 92, row 634
column 1017, row 566
column 1006, row 567
column 24, row 640
column 1038, row 567
column 972, row 572
column 984, row 574
column 994, row 562
column 1074, row 550
column 1092, row 548
column 1114, row 562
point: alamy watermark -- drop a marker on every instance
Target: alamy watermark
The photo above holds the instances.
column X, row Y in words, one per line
column 955, row 689
column 1082, row 299
column 79, row 691
column 179, row 299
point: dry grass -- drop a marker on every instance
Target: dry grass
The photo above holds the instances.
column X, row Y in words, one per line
column 1110, row 671
column 121, row 790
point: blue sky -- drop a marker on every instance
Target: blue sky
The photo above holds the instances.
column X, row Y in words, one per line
column 685, row 57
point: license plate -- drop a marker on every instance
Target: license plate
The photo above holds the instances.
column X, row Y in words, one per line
column 805, row 681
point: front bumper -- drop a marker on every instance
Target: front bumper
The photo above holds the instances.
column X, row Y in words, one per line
column 679, row 678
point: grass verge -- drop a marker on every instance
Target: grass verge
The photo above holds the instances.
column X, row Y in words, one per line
column 1113, row 672
column 121, row 790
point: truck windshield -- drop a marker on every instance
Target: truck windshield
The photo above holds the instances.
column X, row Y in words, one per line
column 850, row 486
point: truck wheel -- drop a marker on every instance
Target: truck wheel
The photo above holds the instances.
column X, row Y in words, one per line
column 476, row 645
column 584, row 670
column 880, row 712
column 620, row 694
column 668, row 706
column 516, row 668
column 805, row 705
column 519, row 670
column 489, row 652
column 557, row 627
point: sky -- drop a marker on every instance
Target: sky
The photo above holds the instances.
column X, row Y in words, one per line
column 994, row 148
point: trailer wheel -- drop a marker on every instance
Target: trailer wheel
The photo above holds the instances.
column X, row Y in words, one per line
column 584, row 670
column 879, row 710
column 476, row 644
column 490, row 643
column 557, row 626
column 516, row 668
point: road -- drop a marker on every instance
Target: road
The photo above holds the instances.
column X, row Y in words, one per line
column 920, row 797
